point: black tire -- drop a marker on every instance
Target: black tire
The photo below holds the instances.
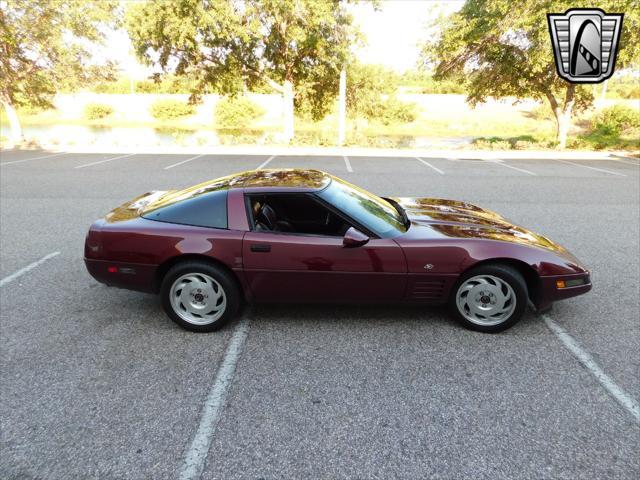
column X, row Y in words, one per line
column 507, row 274
column 221, row 276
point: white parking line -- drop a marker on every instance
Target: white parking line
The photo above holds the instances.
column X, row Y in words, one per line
column 29, row 267
column 103, row 161
column 197, row 454
column 33, row 158
column 429, row 165
column 605, row 380
column 347, row 163
column 628, row 162
column 184, row 161
column 511, row 167
column 591, row 168
column 266, row 162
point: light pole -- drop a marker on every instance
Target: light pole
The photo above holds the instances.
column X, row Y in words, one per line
column 342, row 106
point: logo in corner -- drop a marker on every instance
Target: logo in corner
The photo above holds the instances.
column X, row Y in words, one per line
column 585, row 43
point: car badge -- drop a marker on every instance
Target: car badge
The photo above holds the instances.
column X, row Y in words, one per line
column 428, row 266
column 585, row 43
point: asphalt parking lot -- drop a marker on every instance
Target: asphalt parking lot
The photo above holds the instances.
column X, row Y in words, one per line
column 98, row 383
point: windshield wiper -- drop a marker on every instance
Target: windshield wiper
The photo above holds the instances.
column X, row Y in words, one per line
column 403, row 214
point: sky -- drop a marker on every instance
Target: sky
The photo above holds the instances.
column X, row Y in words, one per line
column 392, row 33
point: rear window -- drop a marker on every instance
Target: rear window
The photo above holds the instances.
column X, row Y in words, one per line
column 204, row 210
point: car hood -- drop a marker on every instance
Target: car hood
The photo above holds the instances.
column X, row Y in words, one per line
column 456, row 219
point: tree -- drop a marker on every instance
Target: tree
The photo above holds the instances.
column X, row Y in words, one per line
column 366, row 86
column 297, row 47
column 45, row 45
column 504, row 48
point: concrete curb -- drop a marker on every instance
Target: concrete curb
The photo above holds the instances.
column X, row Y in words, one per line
column 349, row 151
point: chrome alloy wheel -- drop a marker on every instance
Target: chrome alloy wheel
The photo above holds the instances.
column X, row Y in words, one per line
column 198, row 299
column 486, row 300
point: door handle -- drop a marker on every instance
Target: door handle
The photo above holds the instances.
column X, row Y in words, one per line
column 260, row 247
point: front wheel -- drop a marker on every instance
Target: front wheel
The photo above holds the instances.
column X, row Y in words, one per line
column 199, row 297
column 489, row 298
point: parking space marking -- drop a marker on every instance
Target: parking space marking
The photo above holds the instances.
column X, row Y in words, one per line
column 429, row 165
column 196, row 456
column 266, row 162
column 104, row 161
column 26, row 269
column 34, row 158
column 347, row 163
column 501, row 162
column 591, row 168
column 628, row 162
column 587, row 360
column 184, row 161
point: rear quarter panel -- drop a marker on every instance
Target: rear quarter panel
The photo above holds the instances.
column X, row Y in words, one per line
column 145, row 245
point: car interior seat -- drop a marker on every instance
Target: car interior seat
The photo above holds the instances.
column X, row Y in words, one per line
column 267, row 220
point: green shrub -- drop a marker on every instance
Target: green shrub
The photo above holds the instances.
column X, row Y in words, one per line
column 237, row 111
column 521, row 142
column 96, row 111
column 422, row 82
column 616, row 119
column 146, row 86
column 117, row 86
column 164, row 84
column 627, row 86
column 169, row 109
column 391, row 110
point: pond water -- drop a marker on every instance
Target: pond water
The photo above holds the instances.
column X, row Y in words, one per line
column 150, row 136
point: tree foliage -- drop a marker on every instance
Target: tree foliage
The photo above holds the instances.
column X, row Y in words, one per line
column 504, row 49
column 295, row 46
column 46, row 46
column 366, row 85
column 371, row 94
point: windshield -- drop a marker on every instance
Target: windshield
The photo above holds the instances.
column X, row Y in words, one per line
column 373, row 212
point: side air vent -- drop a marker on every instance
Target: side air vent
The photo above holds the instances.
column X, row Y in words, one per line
column 427, row 290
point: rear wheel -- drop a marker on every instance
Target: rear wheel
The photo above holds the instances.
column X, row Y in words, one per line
column 199, row 296
column 489, row 298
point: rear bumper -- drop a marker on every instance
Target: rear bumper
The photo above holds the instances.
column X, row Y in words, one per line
column 549, row 291
column 132, row 276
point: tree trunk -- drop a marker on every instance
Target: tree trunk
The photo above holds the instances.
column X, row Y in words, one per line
column 287, row 96
column 563, row 114
column 342, row 107
column 603, row 95
column 14, row 121
column 564, row 122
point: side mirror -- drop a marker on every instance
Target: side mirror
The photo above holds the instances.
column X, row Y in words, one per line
column 354, row 238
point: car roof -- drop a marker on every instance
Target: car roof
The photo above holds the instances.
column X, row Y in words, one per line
column 267, row 179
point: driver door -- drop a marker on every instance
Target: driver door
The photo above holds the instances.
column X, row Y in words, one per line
column 290, row 267
column 293, row 266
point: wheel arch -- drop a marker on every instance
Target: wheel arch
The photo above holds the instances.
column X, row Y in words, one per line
column 164, row 267
column 531, row 277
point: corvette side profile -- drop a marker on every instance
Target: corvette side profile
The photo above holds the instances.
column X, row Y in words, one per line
column 292, row 235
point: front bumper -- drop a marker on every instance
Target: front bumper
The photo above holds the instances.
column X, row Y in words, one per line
column 549, row 292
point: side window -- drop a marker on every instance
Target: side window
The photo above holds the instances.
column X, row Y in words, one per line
column 204, row 210
column 297, row 213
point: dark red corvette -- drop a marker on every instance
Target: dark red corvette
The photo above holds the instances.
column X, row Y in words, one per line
column 306, row 236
